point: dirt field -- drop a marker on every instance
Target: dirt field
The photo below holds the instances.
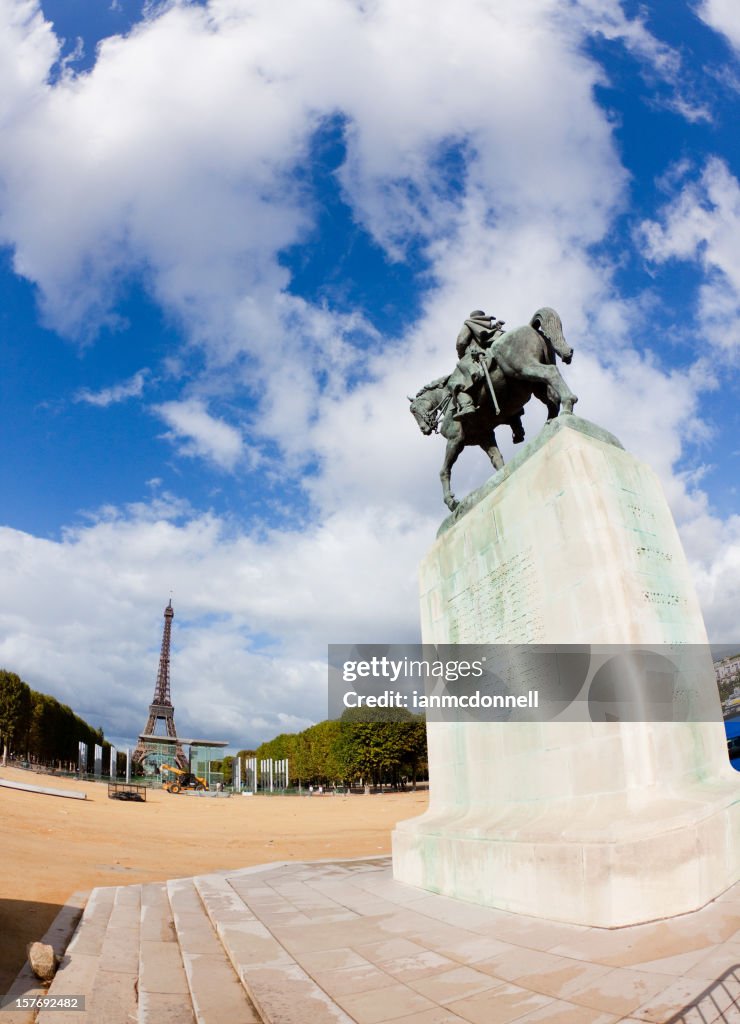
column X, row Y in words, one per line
column 52, row 847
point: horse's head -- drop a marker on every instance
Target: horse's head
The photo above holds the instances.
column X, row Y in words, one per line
column 549, row 325
column 421, row 410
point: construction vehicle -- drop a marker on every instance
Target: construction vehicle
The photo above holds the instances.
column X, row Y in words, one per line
column 182, row 780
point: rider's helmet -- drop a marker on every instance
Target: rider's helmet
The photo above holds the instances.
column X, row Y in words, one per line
column 476, row 314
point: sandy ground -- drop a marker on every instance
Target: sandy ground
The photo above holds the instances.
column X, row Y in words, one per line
column 51, row 847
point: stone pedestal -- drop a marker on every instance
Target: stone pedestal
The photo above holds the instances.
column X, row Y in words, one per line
column 595, row 823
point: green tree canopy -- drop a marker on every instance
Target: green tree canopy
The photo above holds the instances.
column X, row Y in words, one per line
column 15, row 709
column 380, row 744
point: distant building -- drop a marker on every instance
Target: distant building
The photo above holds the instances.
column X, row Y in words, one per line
column 727, row 669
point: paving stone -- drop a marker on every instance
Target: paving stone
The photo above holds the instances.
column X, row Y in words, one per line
column 221, row 900
column 620, row 991
column 88, row 939
column 626, row 947
column 566, row 1013
column 471, row 949
column 677, row 965
column 439, row 1015
column 120, row 951
column 164, row 1008
column 410, row 968
column 125, row 916
column 329, row 959
column 385, row 1004
column 447, row 986
column 328, row 935
column 216, row 993
column 161, row 968
column 287, row 995
column 358, row 978
column 678, row 996
column 248, row 947
column 389, row 949
column 75, row 975
column 500, row 1005
column 518, row 963
column 100, row 904
column 113, row 998
column 561, row 980
column 719, row 960
column 156, row 914
column 127, row 895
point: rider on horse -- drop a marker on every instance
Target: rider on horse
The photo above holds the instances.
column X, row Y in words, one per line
column 472, row 345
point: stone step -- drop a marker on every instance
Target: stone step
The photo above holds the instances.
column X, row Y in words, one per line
column 101, row 961
column 148, row 954
column 279, row 988
column 215, row 991
column 164, row 995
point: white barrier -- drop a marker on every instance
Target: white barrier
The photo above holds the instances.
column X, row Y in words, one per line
column 70, row 794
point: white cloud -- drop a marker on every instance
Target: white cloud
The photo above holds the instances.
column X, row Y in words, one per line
column 173, row 158
column 724, row 16
column 606, row 18
column 701, row 224
column 197, row 433
column 131, row 388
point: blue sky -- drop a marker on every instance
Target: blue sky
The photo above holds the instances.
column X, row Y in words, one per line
column 234, row 235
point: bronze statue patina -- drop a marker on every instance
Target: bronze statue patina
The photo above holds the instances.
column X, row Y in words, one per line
column 497, row 373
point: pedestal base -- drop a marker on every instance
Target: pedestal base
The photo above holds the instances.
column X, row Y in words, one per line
column 606, row 863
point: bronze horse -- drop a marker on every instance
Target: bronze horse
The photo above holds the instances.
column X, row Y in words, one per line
column 521, row 363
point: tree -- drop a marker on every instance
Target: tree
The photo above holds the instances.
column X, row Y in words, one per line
column 15, row 709
column 226, row 769
column 380, row 744
column 314, row 754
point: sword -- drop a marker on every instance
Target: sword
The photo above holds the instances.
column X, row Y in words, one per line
column 490, row 385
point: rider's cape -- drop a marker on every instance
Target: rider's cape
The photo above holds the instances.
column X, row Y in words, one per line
column 475, row 337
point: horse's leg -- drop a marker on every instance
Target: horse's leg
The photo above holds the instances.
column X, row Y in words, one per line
column 517, row 427
column 455, row 445
column 547, row 374
column 493, row 453
column 548, row 397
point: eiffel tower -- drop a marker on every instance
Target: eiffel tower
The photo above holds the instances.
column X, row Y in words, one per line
column 161, row 705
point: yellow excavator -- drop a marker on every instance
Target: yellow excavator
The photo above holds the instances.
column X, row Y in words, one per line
column 182, row 780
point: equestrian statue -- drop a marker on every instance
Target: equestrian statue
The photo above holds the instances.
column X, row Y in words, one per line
column 496, row 374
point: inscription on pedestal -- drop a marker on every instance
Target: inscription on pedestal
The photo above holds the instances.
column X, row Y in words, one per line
column 502, row 605
column 653, row 552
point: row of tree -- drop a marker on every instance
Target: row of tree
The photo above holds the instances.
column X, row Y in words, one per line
column 36, row 726
column 388, row 748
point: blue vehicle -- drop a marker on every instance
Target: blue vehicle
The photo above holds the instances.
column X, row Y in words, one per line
column 732, row 730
